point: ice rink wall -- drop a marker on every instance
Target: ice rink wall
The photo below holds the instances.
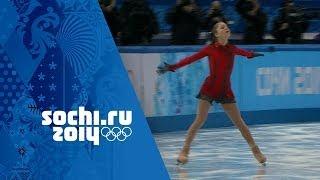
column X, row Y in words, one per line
column 281, row 87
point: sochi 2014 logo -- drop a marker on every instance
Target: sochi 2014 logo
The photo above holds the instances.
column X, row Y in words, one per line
column 84, row 125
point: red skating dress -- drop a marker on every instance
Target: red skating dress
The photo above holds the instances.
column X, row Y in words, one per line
column 217, row 86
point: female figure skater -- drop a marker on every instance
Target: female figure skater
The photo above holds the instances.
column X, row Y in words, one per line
column 216, row 87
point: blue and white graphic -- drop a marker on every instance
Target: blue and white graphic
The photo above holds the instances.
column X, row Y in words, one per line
column 116, row 133
column 59, row 56
column 83, row 125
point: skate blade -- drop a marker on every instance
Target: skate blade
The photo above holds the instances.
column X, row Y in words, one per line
column 179, row 163
column 264, row 164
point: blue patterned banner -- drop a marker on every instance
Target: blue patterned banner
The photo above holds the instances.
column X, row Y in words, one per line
column 58, row 56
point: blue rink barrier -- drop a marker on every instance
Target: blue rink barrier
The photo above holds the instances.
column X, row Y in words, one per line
column 281, row 87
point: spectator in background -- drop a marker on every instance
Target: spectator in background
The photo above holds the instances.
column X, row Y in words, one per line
column 317, row 38
column 111, row 15
column 185, row 21
column 214, row 16
column 255, row 18
column 139, row 22
column 290, row 24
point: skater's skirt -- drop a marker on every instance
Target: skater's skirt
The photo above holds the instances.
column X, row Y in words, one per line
column 218, row 90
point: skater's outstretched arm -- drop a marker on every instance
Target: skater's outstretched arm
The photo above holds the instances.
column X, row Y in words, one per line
column 188, row 60
column 248, row 54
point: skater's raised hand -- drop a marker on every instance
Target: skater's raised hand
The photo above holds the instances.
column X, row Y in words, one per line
column 164, row 68
column 255, row 54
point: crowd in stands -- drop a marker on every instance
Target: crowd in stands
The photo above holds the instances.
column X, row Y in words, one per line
column 135, row 23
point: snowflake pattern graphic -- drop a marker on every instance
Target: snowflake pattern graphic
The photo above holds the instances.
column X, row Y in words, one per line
column 48, row 85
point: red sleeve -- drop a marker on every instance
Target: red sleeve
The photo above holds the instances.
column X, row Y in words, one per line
column 190, row 59
column 242, row 52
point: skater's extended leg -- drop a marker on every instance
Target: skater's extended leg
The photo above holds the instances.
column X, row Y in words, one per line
column 202, row 114
column 234, row 114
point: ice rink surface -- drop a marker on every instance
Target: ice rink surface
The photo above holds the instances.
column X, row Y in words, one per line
column 293, row 152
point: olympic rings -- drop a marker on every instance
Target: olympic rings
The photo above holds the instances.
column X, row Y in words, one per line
column 116, row 133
